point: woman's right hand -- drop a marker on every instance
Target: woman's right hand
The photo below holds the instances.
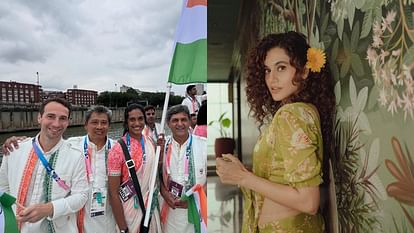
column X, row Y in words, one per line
column 12, row 143
column 230, row 169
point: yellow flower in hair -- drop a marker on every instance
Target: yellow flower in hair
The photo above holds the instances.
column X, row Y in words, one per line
column 316, row 59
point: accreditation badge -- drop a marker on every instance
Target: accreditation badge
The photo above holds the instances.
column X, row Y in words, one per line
column 175, row 189
column 127, row 190
column 98, row 202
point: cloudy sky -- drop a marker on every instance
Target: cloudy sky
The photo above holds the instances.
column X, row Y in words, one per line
column 94, row 44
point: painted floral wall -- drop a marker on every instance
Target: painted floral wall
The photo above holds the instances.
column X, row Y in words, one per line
column 370, row 50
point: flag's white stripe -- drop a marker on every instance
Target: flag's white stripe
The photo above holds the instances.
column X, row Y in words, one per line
column 2, row 220
column 190, row 191
column 192, row 25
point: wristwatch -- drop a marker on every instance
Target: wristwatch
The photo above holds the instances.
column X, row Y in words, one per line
column 124, row 231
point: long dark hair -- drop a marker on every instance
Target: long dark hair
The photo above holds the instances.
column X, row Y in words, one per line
column 128, row 109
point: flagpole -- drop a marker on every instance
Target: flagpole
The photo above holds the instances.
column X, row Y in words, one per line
column 157, row 157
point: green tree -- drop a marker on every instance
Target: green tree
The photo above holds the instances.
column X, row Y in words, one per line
column 118, row 99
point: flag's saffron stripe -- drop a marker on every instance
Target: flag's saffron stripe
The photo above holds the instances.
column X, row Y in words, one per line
column 189, row 63
column 192, row 3
column 192, row 25
column 197, row 208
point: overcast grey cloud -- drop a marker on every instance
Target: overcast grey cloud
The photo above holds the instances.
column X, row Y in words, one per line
column 94, row 44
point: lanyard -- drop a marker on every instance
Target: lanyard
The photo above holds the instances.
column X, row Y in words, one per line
column 49, row 169
column 128, row 141
column 88, row 154
column 193, row 103
column 187, row 157
column 107, row 149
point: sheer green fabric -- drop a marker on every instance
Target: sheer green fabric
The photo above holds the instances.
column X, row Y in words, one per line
column 288, row 152
column 301, row 223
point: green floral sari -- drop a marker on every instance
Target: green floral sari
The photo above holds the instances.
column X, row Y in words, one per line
column 289, row 152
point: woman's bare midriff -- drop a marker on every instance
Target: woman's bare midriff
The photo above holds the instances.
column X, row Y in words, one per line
column 272, row 211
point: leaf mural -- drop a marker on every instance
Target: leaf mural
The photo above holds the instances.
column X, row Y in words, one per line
column 368, row 177
column 358, row 187
column 400, row 227
column 403, row 189
column 372, row 12
column 390, row 57
column 372, row 100
column 408, row 2
column 338, row 92
column 332, row 59
column 366, row 24
column 356, row 110
column 350, row 58
column 278, row 16
column 339, row 13
column 352, row 91
column 355, row 214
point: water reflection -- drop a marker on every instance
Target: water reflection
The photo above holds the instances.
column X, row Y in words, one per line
column 224, row 207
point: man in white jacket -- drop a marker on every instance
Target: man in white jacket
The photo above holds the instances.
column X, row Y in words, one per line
column 47, row 175
column 184, row 165
column 94, row 147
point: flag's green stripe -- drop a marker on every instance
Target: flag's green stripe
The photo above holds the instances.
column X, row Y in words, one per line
column 10, row 225
column 193, row 216
column 6, row 201
column 189, row 63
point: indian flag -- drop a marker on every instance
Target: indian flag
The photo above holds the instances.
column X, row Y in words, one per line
column 197, row 208
column 7, row 218
column 189, row 63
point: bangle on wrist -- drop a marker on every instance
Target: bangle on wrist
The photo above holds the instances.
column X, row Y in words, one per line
column 124, row 231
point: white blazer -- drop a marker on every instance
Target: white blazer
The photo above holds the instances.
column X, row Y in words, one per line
column 70, row 166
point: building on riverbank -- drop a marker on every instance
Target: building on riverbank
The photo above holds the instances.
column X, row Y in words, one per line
column 80, row 97
column 20, row 93
column 14, row 94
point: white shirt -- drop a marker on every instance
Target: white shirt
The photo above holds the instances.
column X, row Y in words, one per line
column 98, row 181
column 193, row 105
column 177, row 220
column 70, row 167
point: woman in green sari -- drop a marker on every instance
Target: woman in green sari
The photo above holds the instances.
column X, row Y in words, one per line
column 290, row 90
